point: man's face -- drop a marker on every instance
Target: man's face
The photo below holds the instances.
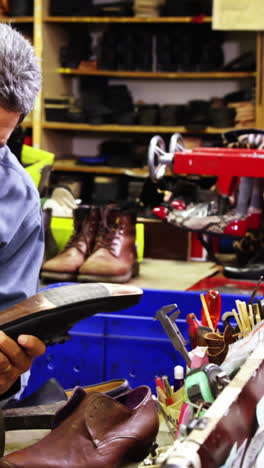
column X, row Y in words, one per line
column 8, row 122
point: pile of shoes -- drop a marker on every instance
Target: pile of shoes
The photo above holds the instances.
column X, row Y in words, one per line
column 118, row 48
column 91, row 8
column 79, row 47
column 187, row 206
column 102, row 247
column 103, row 103
column 123, row 153
column 63, row 109
column 232, row 216
column 214, row 217
column 189, row 48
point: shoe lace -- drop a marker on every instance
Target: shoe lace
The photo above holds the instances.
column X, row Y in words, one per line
column 106, row 231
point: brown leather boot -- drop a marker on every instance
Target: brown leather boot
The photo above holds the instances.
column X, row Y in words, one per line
column 94, row 430
column 114, row 258
column 65, row 265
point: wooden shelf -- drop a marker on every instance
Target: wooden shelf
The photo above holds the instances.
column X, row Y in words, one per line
column 157, row 75
column 128, row 19
column 71, row 165
column 26, row 124
column 16, row 19
column 128, row 128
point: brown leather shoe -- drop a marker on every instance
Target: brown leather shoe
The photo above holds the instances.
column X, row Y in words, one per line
column 65, row 265
column 112, row 388
column 96, row 431
column 114, row 258
column 37, row 410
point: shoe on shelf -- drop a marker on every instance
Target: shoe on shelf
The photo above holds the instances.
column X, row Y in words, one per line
column 94, row 430
column 197, row 114
column 65, row 265
column 114, row 257
column 192, row 211
column 227, row 224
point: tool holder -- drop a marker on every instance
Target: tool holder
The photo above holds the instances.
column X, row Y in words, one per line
column 225, row 163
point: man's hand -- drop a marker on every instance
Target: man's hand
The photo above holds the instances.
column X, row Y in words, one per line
column 17, row 357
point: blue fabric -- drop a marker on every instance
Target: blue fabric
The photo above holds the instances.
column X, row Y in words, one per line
column 21, row 232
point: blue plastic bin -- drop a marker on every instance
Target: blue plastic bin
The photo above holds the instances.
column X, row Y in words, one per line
column 129, row 344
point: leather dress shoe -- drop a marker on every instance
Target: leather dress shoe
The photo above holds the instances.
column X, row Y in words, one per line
column 251, row 272
column 52, row 392
column 51, row 313
column 37, row 410
column 112, row 388
column 229, row 224
column 94, row 430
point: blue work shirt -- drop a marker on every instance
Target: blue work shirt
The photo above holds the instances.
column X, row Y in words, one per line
column 21, row 232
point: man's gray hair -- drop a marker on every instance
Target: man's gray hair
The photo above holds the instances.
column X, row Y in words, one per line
column 20, row 76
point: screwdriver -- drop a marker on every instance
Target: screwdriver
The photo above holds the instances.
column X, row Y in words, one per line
column 193, row 325
column 213, row 301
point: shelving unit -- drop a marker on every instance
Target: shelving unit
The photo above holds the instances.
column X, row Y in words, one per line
column 113, row 128
column 158, row 75
column 18, row 19
column 50, row 33
column 70, row 165
column 128, row 19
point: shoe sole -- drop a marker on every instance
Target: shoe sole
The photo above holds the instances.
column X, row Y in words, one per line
column 204, row 231
column 31, row 417
column 50, row 314
column 52, row 275
column 82, row 278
